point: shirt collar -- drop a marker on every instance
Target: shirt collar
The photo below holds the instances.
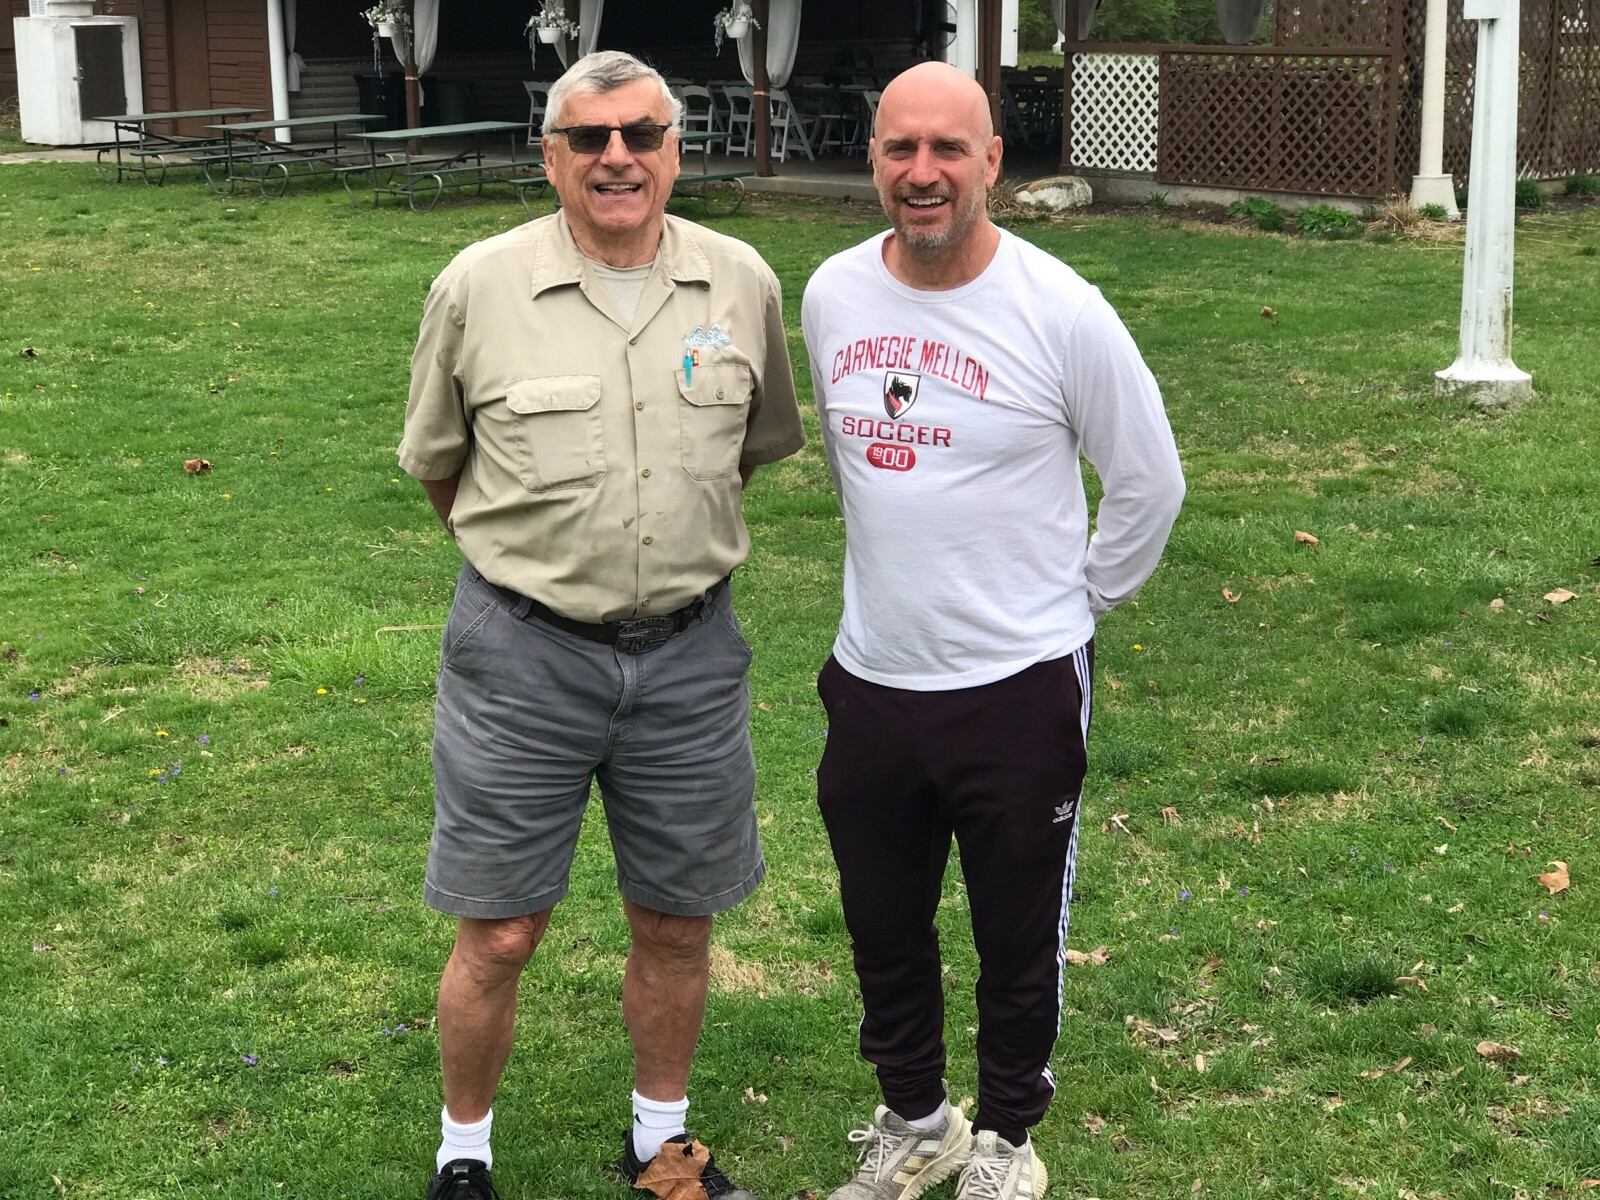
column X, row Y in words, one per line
column 558, row 261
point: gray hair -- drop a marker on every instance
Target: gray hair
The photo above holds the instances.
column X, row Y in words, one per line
column 605, row 71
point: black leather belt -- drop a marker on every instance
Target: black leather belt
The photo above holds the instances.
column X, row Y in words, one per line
column 635, row 635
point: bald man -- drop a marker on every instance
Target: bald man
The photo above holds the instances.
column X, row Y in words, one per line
column 960, row 373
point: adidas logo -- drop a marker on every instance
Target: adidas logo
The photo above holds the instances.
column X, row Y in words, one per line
column 1064, row 812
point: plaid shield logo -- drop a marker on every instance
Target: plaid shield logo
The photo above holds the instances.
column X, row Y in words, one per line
column 899, row 392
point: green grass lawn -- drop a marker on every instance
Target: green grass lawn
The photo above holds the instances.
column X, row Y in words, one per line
column 1316, row 771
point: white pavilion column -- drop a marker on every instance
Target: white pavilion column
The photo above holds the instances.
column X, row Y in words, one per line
column 278, row 60
column 1430, row 185
column 1484, row 369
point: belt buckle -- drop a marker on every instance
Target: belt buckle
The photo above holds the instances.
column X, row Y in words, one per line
column 639, row 635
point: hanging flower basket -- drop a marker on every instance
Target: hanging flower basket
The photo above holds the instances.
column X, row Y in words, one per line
column 737, row 27
column 733, row 22
column 386, row 29
column 549, row 34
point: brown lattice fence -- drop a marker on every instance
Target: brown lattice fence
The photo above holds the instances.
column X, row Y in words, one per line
column 1334, row 105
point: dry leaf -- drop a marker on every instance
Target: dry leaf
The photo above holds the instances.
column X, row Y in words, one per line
column 764, row 706
column 1458, row 906
column 1306, row 539
column 1269, row 313
column 1495, row 1052
column 1115, row 822
column 1446, row 824
column 751, row 1096
column 1200, row 1064
column 675, row 1175
column 1169, row 815
column 196, row 466
column 1093, row 1124
column 1411, row 981
column 1374, row 1073
column 1098, row 957
column 1586, row 1184
column 1153, row 1035
column 1231, row 596
column 1560, row 596
column 1196, row 1186
column 29, row 352
column 1329, row 1103
column 1442, row 848
column 1557, row 880
column 1402, row 1064
column 1497, row 605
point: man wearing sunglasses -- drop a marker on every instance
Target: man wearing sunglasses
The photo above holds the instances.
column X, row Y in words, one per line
column 590, row 393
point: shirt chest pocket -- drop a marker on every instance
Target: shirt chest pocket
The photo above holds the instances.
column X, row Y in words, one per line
column 712, row 417
column 555, row 425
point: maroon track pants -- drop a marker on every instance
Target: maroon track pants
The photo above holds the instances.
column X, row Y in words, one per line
column 1001, row 767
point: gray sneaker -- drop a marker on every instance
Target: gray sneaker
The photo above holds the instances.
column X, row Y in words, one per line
column 899, row 1162
column 997, row 1170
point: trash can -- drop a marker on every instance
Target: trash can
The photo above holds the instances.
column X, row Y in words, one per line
column 452, row 102
column 385, row 95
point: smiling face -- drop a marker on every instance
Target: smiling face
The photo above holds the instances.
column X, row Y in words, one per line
column 614, row 201
column 934, row 158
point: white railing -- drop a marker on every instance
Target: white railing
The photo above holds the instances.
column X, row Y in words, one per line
column 1115, row 105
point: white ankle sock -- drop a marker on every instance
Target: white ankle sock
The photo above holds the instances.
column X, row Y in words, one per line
column 464, row 1141
column 654, row 1121
column 932, row 1120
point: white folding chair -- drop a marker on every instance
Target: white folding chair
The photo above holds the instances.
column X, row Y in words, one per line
column 538, row 97
column 870, row 100
column 741, row 106
column 786, row 120
column 700, row 114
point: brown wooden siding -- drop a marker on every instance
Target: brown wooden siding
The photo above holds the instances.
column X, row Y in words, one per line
column 8, row 50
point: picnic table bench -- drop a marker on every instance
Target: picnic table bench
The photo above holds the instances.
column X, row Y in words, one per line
column 151, row 153
column 423, row 179
column 250, row 155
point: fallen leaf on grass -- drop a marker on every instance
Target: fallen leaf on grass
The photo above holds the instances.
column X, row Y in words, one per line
column 1329, row 1103
column 1375, row 1073
column 1560, row 596
column 1200, row 1064
column 1169, row 815
column 1231, row 596
column 1445, row 822
column 1586, row 1184
column 677, row 1176
column 1153, row 1035
column 29, row 352
column 1458, row 906
column 1306, row 539
column 1557, row 880
column 1415, row 981
column 1497, row 605
column 1093, row 1124
column 1442, row 848
column 196, row 466
column 751, row 1096
column 1269, row 313
column 1495, row 1052
column 1115, row 822
column 1098, row 957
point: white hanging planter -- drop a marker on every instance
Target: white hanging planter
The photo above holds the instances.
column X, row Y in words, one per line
column 386, row 29
column 737, row 27
column 549, row 34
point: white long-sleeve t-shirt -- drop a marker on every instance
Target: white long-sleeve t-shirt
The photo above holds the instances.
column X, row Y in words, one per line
column 953, row 422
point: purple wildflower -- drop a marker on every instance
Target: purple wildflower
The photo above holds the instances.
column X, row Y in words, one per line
column 361, row 680
column 177, row 769
column 272, row 891
column 61, row 770
column 162, row 778
column 205, row 739
column 249, row 1060
column 34, row 696
column 1185, row 894
column 1244, row 891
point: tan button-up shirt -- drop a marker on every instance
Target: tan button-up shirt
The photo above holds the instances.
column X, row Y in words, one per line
column 599, row 473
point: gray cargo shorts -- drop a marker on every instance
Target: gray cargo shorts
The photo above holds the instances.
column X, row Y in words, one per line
column 528, row 714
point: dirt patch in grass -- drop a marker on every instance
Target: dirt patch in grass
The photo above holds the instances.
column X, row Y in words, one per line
column 217, row 678
column 730, row 974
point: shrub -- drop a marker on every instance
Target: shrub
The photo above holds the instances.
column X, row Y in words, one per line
column 1434, row 212
column 1267, row 216
column 1326, row 221
column 1529, row 194
column 1156, row 200
column 1461, row 198
column 1583, row 184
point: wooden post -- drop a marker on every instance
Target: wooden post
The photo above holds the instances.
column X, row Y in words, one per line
column 413, row 83
column 989, row 55
column 761, row 103
column 1069, row 38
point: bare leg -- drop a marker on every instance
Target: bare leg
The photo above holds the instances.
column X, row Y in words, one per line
column 664, row 997
column 478, row 1007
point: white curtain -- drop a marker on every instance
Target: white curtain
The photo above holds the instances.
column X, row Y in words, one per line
column 783, row 40
column 426, row 17
column 293, row 63
column 589, row 14
column 1239, row 20
column 1086, row 11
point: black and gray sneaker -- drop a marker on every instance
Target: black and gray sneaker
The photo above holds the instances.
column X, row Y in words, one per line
column 462, row 1179
column 677, row 1161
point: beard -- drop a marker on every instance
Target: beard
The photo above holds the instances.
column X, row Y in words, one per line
column 963, row 221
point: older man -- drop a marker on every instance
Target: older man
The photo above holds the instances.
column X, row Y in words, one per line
column 589, row 393
column 960, row 372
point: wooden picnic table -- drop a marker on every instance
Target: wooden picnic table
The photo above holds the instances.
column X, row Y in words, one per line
column 249, row 155
column 151, row 152
column 421, row 177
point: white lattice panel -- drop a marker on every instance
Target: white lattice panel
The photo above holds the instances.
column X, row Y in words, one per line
column 1115, row 101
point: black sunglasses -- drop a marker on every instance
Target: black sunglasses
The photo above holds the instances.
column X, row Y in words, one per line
column 593, row 139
